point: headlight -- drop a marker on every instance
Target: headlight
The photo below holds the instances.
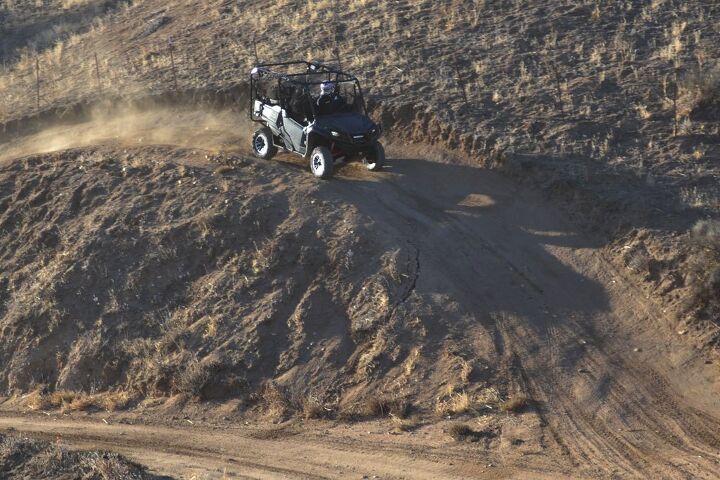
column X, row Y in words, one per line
column 334, row 133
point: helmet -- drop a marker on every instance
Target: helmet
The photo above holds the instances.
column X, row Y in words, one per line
column 327, row 87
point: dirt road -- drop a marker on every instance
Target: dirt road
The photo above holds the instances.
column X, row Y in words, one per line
column 616, row 392
column 312, row 452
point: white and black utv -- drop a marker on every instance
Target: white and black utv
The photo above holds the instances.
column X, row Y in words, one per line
column 313, row 110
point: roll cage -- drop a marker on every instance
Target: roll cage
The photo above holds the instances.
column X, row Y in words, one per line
column 294, row 86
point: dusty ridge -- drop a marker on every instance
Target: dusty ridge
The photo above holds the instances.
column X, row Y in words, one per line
column 188, row 283
column 151, row 265
column 444, row 288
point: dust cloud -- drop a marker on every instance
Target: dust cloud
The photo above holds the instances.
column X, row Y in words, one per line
column 125, row 126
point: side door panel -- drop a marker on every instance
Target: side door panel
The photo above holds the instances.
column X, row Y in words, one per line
column 293, row 134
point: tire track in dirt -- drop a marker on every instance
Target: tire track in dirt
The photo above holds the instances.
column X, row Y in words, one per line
column 201, row 452
column 594, row 445
column 613, row 448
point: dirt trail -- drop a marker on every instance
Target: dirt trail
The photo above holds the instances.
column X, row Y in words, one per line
column 615, row 393
column 250, row 452
column 592, row 352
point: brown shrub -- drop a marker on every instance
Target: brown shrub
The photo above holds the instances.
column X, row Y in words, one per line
column 116, row 401
column 274, row 399
column 61, row 397
column 192, row 380
column 312, row 408
column 703, row 96
column 383, row 406
column 69, row 401
column 404, row 424
column 704, row 270
column 460, row 431
column 81, row 403
column 515, row 403
column 37, row 401
column 453, row 404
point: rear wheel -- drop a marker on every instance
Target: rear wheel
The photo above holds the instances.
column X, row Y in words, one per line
column 321, row 162
column 262, row 144
column 376, row 160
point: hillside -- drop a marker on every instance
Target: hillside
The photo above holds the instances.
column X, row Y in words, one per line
column 533, row 283
column 610, row 107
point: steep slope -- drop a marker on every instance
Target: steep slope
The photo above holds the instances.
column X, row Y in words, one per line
column 436, row 291
column 609, row 107
column 132, row 272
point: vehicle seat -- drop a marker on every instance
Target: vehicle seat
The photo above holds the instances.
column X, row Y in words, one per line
column 300, row 110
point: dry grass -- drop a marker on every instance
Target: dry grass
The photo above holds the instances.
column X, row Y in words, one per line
column 643, row 112
column 224, row 170
column 516, row 403
column 383, row 406
column 68, row 401
column 700, row 95
column 454, row 401
column 454, row 404
column 27, row 458
column 274, row 400
column 460, row 431
column 704, row 269
column 76, row 3
column 192, row 380
column 312, row 408
column 404, row 424
column 37, row 401
column 117, row 401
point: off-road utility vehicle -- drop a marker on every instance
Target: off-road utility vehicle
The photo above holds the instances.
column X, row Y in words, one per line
column 314, row 110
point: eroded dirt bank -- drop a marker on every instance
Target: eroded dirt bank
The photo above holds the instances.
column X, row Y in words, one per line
column 163, row 270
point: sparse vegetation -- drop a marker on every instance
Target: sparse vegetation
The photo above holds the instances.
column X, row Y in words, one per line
column 516, row 403
column 457, row 402
column 454, row 404
column 647, row 60
column 404, row 424
column 460, row 431
column 194, row 378
column 68, row 401
column 704, row 270
column 700, row 95
column 382, row 406
column 275, row 400
column 312, row 408
column 25, row 458
column 586, row 87
column 216, row 285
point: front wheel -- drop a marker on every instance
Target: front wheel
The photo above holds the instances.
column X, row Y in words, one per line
column 262, row 144
column 321, row 162
column 376, row 159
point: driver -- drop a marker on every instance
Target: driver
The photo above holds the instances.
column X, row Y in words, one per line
column 329, row 101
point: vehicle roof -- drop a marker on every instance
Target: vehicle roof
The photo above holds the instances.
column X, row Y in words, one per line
column 298, row 71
